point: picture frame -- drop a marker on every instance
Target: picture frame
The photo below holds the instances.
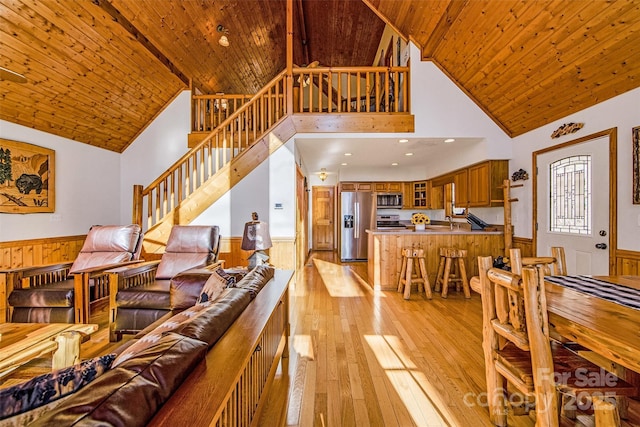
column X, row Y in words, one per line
column 27, row 178
column 635, row 146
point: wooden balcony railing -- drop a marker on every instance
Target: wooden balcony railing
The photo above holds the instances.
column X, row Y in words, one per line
column 351, row 90
column 209, row 111
column 227, row 141
column 314, row 90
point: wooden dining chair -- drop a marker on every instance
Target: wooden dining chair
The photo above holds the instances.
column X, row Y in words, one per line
column 554, row 265
column 518, row 350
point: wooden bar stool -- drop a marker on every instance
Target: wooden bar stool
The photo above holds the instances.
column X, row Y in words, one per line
column 407, row 275
column 447, row 274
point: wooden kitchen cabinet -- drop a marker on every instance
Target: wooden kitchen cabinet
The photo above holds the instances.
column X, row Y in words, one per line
column 420, row 195
column 388, row 187
column 356, row 186
column 460, row 189
column 485, row 183
column 407, row 195
column 436, row 197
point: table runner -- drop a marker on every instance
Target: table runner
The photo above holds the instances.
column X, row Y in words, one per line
column 616, row 293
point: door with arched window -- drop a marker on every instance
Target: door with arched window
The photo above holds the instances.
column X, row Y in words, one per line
column 573, row 204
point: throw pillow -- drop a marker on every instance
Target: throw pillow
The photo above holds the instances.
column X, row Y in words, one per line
column 46, row 388
column 213, row 287
column 230, row 279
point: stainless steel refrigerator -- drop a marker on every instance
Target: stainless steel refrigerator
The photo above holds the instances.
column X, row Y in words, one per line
column 356, row 210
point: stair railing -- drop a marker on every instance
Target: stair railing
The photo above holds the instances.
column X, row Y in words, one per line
column 227, row 141
column 209, row 111
column 351, row 90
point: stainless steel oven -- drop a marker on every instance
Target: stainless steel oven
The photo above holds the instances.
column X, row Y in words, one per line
column 389, row 201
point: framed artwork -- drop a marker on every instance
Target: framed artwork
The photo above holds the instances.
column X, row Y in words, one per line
column 635, row 143
column 27, row 178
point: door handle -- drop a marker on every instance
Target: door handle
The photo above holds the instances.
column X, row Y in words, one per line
column 601, row 245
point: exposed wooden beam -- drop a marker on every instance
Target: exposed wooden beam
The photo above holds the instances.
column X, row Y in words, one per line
column 146, row 43
column 303, row 33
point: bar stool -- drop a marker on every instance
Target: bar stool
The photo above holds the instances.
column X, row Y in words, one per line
column 407, row 276
column 447, row 274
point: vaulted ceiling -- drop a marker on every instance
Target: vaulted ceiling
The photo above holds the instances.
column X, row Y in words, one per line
column 99, row 71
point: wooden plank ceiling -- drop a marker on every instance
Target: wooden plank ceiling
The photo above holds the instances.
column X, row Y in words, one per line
column 99, row 71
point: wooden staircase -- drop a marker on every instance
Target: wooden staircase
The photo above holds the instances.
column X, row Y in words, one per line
column 258, row 128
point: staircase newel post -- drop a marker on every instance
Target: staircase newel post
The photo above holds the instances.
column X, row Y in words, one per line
column 289, row 79
column 137, row 205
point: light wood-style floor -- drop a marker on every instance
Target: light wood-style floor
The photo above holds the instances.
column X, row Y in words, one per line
column 361, row 357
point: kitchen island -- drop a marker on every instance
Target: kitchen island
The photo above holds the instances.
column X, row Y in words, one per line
column 385, row 247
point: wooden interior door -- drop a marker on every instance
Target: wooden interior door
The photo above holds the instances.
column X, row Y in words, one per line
column 323, row 202
column 302, row 214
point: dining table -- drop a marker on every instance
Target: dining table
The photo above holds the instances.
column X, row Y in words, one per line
column 600, row 313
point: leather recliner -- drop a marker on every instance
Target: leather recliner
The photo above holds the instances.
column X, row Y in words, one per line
column 140, row 294
column 63, row 292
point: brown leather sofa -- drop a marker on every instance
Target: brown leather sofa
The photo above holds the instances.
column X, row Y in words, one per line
column 140, row 294
column 63, row 292
column 139, row 383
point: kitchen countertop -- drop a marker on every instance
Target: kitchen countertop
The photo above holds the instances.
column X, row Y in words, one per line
column 429, row 230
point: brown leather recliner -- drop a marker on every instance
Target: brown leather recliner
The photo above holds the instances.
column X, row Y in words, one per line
column 63, row 292
column 140, row 294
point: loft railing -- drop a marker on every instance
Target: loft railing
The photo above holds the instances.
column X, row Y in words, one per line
column 209, row 111
column 351, row 90
column 227, row 141
column 314, row 90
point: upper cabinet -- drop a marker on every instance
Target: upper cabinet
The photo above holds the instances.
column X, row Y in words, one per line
column 388, row 187
column 485, row 183
column 460, row 192
column 356, row 186
column 420, row 194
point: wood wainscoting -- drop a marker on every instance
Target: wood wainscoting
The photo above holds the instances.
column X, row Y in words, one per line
column 27, row 253
column 525, row 245
column 627, row 263
column 282, row 254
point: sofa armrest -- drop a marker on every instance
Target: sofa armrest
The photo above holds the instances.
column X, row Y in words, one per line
column 29, row 277
column 98, row 276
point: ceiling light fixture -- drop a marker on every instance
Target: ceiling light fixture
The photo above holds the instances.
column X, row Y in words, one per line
column 343, row 164
column 403, row 141
column 408, row 154
column 394, row 164
column 448, row 140
column 347, row 154
column 223, row 41
column 323, row 174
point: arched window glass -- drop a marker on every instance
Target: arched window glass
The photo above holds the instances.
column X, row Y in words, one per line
column 570, row 204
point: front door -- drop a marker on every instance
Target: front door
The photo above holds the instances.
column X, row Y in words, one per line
column 573, row 204
column 323, row 218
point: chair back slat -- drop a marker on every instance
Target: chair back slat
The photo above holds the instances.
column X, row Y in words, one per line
column 541, row 356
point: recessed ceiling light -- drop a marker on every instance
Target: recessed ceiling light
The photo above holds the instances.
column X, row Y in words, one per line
column 347, row 154
column 343, row 164
column 394, row 164
column 449, row 140
column 408, row 154
column 402, row 141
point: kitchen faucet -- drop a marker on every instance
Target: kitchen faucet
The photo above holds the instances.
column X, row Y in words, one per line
column 450, row 218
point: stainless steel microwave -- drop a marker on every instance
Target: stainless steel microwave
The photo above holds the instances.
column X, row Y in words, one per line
column 389, row 201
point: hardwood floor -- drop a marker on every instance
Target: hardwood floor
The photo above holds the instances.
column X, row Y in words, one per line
column 361, row 357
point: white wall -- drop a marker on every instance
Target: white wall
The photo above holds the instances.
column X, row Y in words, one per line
column 86, row 183
column 621, row 112
column 272, row 182
column 159, row 146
